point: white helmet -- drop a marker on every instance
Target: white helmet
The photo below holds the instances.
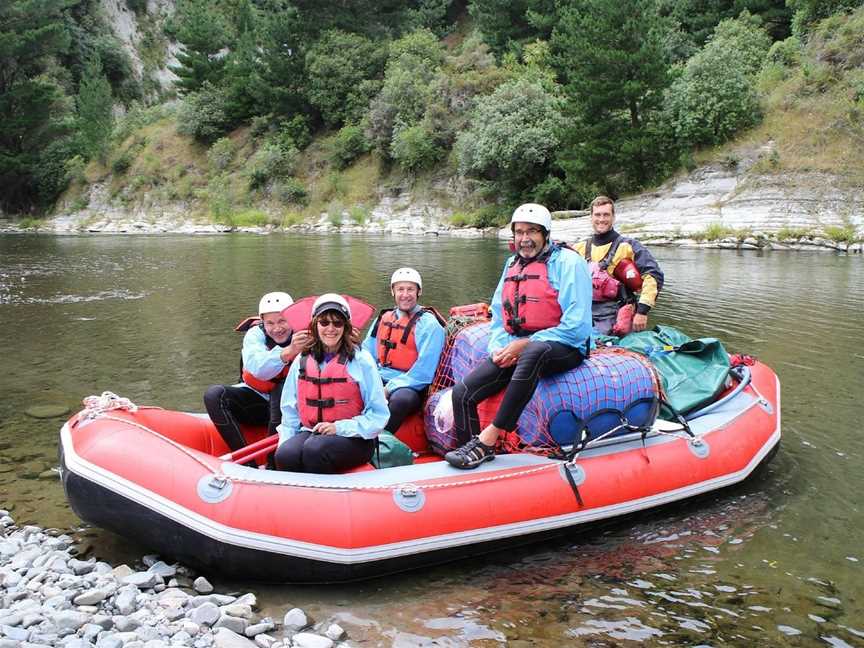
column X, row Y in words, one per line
column 407, row 274
column 533, row 213
column 274, row 302
column 331, row 301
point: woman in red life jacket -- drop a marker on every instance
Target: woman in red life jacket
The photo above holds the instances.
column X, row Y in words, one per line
column 333, row 403
column 269, row 346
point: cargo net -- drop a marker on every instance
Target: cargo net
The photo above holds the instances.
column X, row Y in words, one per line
column 614, row 392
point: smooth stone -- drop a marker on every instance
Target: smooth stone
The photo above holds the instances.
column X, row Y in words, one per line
column 126, row 623
column 265, row 640
column 191, row 627
column 162, row 569
column 248, row 599
column 235, row 624
column 122, row 571
column 206, row 614
column 225, row 638
column 126, row 600
column 143, row 580
column 91, row 597
column 237, row 610
column 335, row 632
column 81, row 567
column 202, row 585
column 259, row 628
column 16, row 634
column 311, row 640
column 69, row 620
column 46, row 411
column 109, row 642
column 295, row 619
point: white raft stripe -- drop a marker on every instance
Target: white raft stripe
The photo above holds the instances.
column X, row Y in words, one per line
column 338, row 555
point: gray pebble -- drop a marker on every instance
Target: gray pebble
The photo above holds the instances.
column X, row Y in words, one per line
column 335, row 632
column 202, row 585
column 143, row 580
column 206, row 614
column 163, row 569
column 126, row 623
column 68, row 621
column 91, row 597
column 125, row 602
column 235, row 624
column 225, row 638
column 311, row 640
column 81, row 567
column 16, row 634
column 295, row 619
column 259, row 628
column 237, row 610
column 264, row 640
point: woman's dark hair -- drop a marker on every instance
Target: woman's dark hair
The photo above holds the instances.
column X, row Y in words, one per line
column 345, row 344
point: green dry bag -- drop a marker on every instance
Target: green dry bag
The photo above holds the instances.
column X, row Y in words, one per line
column 391, row 452
column 693, row 371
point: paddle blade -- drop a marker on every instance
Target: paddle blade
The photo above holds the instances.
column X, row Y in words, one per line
column 299, row 314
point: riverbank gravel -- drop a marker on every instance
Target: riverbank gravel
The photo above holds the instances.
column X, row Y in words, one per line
column 49, row 597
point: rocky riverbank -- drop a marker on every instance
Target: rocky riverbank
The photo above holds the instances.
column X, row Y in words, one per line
column 738, row 203
column 48, row 597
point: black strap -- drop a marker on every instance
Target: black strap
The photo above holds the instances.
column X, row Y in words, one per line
column 573, row 486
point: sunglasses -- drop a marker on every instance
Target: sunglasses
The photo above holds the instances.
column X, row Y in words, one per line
column 335, row 323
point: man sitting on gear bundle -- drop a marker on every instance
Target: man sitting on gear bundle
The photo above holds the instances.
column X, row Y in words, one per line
column 620, row 268
column 541, row 325
column 406, row 342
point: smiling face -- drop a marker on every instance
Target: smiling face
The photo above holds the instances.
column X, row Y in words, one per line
column 276, row 327
column 529, row 239
column 405, row 293
column 330, row 326
column 602, row 218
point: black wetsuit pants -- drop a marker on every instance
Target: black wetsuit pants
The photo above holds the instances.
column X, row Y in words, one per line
column 229, row 406
column 323, row 453
column 402, row 403
column 520, row 380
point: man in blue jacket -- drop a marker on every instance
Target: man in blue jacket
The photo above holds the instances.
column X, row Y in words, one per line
column 541, row 325
column 406, row 342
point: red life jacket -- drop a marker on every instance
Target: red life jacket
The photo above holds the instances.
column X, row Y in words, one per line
column 529, row 301
column 330, row 395
column 259, row 384
column 395, row 342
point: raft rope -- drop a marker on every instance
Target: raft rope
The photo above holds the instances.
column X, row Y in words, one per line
column 99, row 405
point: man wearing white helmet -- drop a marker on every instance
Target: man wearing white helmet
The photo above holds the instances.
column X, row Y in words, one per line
column 333, row 402
column 541, row 325
column 269, row 346
column 406, row 342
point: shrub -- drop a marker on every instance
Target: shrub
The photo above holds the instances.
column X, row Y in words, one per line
column 359, row 214
column 122, row 162
column 269, row 162
column 220, row 198
column 204, row 114
column 221, row 154
column 513, row 134
column 841, row 234
column 290, row 191
column 715, row 96
column 349, row 144
column 716, row 232
column 415, row 148
column 336, row 67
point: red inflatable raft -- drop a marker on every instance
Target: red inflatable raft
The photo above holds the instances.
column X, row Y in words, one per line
column 160, row 478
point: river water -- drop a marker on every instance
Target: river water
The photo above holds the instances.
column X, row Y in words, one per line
column 778, row 560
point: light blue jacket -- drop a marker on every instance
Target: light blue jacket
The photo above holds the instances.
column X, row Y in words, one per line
column 429, row 336
column 367, row 424
column 568, row 274
column 258, row 360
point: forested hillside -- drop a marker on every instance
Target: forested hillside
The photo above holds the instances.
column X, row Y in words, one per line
column 305, row 104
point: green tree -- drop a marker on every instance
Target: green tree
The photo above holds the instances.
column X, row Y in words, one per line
column 203, row 33
column 95, row 116
column 612, row 58
column 283, row 43
column 513, row 136
column 716, row 95
column 33, row 109
column 337, row 66
column 506, row 24
column 808, row 12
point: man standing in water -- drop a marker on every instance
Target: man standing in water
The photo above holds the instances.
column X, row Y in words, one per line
column 620, row 267
column 541, row 325
column 406, row 342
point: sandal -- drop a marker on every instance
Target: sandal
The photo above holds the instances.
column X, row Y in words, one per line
column 470, row 455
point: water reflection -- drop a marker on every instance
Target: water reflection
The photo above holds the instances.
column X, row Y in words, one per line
column 775, row 561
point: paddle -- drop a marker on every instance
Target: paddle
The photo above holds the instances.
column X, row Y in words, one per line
column 260, row 448
column 299, row 314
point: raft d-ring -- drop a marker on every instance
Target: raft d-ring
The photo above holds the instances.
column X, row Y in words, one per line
column 214, row 488
column 765, row 405
column 577, row 472
column 409, row 497
column 699, row 447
